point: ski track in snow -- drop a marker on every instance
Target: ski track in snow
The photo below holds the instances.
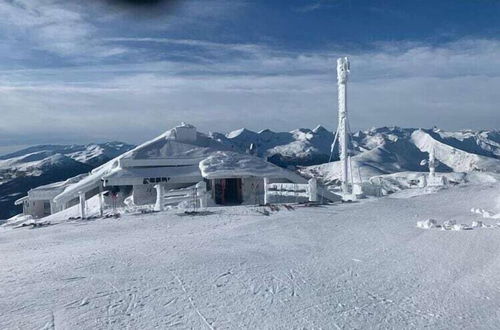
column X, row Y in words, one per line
column 357, row 265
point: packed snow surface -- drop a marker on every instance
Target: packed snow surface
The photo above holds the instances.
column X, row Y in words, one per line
column 356, row 265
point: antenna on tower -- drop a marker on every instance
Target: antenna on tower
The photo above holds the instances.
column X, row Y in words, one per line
column 349, row 188
column 343, row 69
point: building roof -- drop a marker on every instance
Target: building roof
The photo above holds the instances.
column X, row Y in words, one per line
column 135, row 176
column 21, row 200
column 49, row 191
column 179, row 154
column 164, row 150
column 169, row 147
column 224, row 164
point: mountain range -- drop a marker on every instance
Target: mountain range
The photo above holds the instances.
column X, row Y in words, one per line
column 373, row 152
column 387, row 150
column 29, row 168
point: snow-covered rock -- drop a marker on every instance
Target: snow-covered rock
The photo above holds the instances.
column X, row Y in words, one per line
column 427, row 224
column 449, row 224
column 477, row 224
column 458, row 227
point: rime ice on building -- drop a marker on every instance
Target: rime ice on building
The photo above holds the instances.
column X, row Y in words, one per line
column 176, row 163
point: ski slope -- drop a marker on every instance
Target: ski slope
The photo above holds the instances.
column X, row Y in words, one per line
column 359, row 265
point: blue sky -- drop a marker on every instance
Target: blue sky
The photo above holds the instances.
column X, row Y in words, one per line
column 77, row 72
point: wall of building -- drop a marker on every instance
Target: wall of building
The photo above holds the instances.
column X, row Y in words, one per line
column 37, row 208
column 252, row 189
column 144, row 194
column 185, row 133
column 120, row 193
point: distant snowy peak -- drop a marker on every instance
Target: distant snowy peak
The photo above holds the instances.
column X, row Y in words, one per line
column 91, row 154
column 455, row 158
column 305, row 147
column 301, row 146
column 241, row 133
column 486, row 143
column 33, row 164
column 44, row 164
column 387, row 150
column 100, row 153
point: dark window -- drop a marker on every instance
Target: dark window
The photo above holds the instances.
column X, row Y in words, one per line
column 46, row 208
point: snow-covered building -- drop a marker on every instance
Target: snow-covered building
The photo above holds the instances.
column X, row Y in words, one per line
column 181, row 157
column 39, row 202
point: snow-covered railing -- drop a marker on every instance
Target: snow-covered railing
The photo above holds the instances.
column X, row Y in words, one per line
column 197, row 194
column 308, row 190
column 434, row 180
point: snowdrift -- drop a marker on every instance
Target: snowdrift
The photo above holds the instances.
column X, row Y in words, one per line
column 232, row 164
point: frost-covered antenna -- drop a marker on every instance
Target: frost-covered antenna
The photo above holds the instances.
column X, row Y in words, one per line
column 343, row 69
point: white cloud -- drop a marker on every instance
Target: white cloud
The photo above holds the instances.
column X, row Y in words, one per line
column 221, row 86
column 76, row 30
column 313, row 5
column 58, row 27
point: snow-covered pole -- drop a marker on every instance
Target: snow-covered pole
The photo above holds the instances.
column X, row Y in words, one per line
column 342, row 74
column 160, row 194
column 82, row 204
column 201, row 190
column 266, row 197
column 313, row 190
column 101, row 202
column 432, row 162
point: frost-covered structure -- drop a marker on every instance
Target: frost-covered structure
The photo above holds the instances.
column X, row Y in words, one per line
column 39, row 202
column 181, row 157
column 342, row 130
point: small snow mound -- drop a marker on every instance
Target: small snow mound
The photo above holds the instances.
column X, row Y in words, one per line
column 427, row 224
column 448, row 224
column 485, row 214
column 18, row 220
column 458, row 227
column 477, row 224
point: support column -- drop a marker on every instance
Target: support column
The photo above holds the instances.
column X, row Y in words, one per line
column 266, row 197
column 201, row 190
column 423, row 181
column 313, row 190
column 101, row 201
column 160, row 194
column 53, row 207
column 82, row 205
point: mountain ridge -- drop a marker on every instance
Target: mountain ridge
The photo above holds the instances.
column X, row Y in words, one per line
column 375, row 151
column 38, row 165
